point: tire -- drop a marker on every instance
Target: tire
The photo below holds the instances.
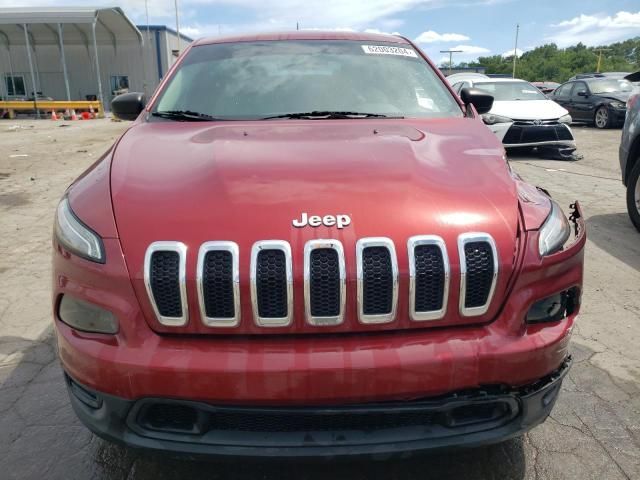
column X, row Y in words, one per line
column 633, row 195
column 602, row 118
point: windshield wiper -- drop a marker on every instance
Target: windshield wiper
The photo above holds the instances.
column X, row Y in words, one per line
column 184, row 116
column 329, row 114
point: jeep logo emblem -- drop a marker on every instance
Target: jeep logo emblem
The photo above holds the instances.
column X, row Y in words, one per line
column 339, row 221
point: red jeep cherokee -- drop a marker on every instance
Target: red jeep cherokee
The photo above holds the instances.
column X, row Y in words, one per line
column 307, row 245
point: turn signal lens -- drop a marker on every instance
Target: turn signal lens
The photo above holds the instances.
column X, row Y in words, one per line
column 86, row 316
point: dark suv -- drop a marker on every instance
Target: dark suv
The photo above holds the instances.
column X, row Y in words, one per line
column 630, row 153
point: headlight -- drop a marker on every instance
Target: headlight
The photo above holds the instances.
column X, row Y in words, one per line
column 554, row 232
column 75, row 236
column 617, row 105
column 565, row 119
column 490, row 119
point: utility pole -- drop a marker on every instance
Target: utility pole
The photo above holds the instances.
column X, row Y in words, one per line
column 515, row 51
column 600, row 50
column 450, row 52
column 297, row 25
column 178, row 26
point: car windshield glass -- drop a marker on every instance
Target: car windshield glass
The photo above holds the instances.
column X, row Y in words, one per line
column 610, row 86
column 354, row 79
column 508, row 91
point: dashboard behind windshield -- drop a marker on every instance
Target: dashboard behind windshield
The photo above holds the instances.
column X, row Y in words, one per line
column 255, row 80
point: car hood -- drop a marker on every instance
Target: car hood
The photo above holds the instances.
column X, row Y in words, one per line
column 247, row 181
column 529, row 109
column 174, row 180
column 620, row 96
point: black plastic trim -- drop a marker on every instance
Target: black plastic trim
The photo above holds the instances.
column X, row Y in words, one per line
column 115, row 420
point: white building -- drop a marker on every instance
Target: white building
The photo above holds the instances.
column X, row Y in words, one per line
column 81, row 52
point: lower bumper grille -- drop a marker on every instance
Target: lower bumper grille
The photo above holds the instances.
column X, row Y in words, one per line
column 447, row 416
column 536, row 134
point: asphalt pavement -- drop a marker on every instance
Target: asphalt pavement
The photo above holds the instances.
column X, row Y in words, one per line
column 593, row 433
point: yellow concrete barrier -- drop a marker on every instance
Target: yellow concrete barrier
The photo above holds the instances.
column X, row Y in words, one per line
column 47, row 106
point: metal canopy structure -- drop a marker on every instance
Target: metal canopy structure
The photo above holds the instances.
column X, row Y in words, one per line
column 85, row 26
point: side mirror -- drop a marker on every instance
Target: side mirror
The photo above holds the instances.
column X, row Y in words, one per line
column 128, row 105
column 478, row 98
column 583, row 93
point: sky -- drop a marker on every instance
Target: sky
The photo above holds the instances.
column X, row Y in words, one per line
column 477, row 27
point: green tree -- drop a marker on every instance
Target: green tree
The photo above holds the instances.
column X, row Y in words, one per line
column 549, row 63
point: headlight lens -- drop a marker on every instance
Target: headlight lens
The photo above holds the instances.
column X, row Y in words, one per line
column 618, row 105
column 554, row 232
column 76, row 236
column 490, row 119
column 565, row 119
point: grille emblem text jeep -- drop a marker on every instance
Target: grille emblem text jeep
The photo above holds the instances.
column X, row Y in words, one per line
column 339, row 221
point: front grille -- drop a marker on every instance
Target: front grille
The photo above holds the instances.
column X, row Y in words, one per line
column 271, row 283
column 377, row 280
column 271, row 280
column 164, row 279
column 377, row 295
column 218, row 284
column 479, row 258
column 479, row 267
column 429, row 277
column 165, row 284
column 325, row 283
column 529, row 133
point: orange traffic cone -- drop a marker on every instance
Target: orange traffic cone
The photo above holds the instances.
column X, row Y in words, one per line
column 73, row 114
column 53, row 115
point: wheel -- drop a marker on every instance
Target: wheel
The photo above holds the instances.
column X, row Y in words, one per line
column 602, row 118
column 633, row 195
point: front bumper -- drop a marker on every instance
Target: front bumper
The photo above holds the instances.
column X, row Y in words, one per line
column 525, row 134
column 618, row 115
column 465, row 419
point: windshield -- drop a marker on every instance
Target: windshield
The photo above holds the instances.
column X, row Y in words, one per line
column 508, row 91
column 610, row 86
column 255, row 80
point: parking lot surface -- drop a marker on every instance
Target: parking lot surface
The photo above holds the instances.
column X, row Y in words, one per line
column 593, row 433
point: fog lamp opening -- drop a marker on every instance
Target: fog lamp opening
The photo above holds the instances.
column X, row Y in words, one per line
column 86, row 316
column 554, row 307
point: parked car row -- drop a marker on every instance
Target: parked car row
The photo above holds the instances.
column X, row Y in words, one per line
column 521, row 116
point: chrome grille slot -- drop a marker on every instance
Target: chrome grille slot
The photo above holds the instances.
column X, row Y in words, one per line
column 428, row 277
column 164, row 278
column 324, row 282
column 218, row 280
column 271, row 283
column 478, row 272
column 377, row 272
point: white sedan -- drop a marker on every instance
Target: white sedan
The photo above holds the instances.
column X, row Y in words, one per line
column 521, row 115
